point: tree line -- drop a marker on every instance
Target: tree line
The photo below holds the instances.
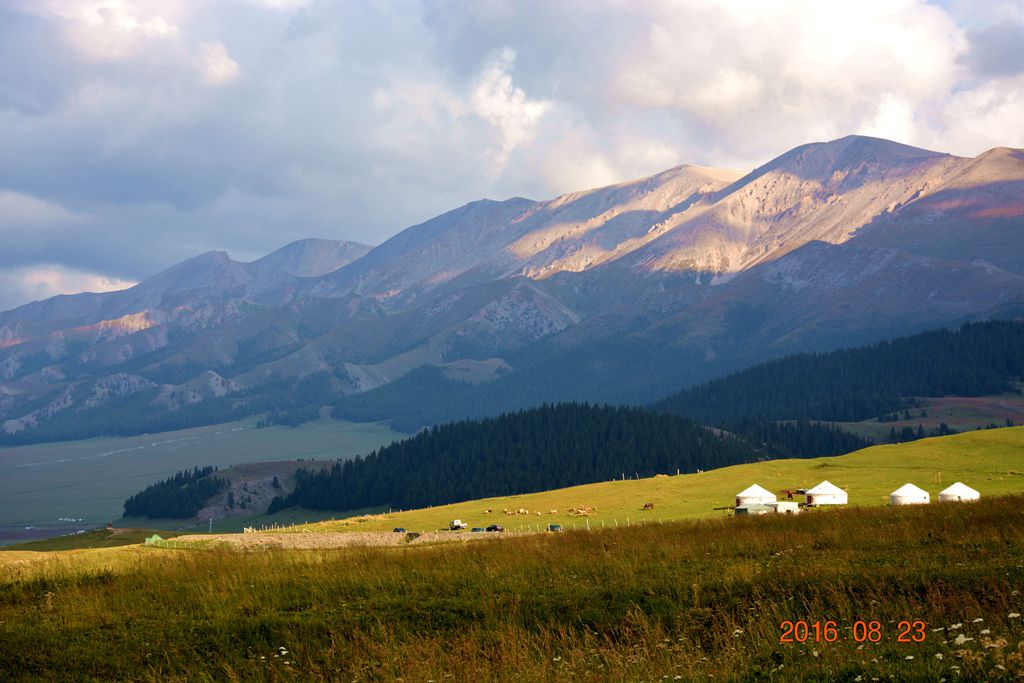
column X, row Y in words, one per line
column 543, row 448
column 865, row 382
column 178, row 497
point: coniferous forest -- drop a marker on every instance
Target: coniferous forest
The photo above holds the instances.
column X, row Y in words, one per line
column 535, row 450
column 177, row 497
column 864, row 382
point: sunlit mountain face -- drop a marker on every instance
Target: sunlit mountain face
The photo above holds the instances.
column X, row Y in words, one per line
column 620, row 292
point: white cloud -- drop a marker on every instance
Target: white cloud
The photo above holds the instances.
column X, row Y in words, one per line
column 282, row 4
column 894, row 120
column 499, row 101
column 22, row 210
column 41, row 281
column 761, row 74
column 106, row 30
column 987, row 115
column 356, row 119
column 215, row 63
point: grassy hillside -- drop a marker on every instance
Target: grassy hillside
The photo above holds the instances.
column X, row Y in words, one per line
column 962, row 413
column 991, row 461
column 694, row 600
column 90, row 480
column 97, row 538
column 285, row 518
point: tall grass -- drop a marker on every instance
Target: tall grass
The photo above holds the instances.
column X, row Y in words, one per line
column 654, row 602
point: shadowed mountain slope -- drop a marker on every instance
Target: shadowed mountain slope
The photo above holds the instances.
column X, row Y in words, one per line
column 618, row 293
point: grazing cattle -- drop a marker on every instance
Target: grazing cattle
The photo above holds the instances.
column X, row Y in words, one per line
column 552, row 512
column 648, row 506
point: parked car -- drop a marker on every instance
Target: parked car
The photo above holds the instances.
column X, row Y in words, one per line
column 495, row 527
column 554, row 527
column 477, row 529
column 399, row 530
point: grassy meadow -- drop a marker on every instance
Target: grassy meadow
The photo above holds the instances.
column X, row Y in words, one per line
column 96, row 538
column 991, row 461
column 90, row 480
column 674, row 601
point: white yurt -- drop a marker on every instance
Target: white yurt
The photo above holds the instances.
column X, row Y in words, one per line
column 908, row 494
column 958, row 492
column 785, row 507
column 754, row 494
column 826, row 493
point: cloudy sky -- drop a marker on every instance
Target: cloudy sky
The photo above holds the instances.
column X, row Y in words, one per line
column 135, row 134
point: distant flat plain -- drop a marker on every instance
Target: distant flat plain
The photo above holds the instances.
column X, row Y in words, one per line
column 90, row 480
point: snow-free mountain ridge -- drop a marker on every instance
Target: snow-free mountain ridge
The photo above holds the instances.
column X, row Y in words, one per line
column 637, row 287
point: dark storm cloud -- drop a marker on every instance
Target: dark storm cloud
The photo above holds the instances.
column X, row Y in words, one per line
column 32, row 81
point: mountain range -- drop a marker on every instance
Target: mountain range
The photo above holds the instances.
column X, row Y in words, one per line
column 621, row 293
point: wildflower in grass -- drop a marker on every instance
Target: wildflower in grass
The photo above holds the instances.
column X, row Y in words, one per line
column 938, row 655
column 961, row 639
column 738, row 632
column 909, row 657
column 985, row 632
column 978, row 620
column 955, row 626
column 1013, row 615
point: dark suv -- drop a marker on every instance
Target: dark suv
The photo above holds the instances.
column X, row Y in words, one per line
column 495, row 527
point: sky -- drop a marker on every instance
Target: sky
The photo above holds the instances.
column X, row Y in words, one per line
column 136, row 134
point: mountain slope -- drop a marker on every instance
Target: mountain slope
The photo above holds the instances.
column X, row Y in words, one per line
column 618, row 293
column 864, row 382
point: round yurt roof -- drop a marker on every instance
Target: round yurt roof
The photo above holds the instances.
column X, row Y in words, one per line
column 754, row 491
column 908, row 490
column 824, row 487
column 960, row 489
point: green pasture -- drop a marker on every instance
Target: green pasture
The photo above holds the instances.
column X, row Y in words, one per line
column 690, row 600
column 991, row 461
column 96, row 538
